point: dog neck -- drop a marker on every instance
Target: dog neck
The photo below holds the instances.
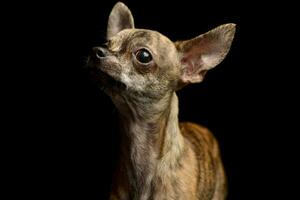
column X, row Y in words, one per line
column 151, row 142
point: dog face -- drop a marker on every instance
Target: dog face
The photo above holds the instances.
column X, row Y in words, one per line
column 143, row 62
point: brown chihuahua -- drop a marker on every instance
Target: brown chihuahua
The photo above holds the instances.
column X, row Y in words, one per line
column 160, row 158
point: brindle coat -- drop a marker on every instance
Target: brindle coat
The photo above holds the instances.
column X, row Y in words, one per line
column 160, row 159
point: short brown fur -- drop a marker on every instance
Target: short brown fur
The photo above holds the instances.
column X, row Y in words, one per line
column 141, row 70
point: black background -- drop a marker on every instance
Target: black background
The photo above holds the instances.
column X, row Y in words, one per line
column 63, row 135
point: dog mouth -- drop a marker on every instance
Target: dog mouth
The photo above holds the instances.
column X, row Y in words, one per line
column 103, row 79
column 112, row 82
column 109, row 83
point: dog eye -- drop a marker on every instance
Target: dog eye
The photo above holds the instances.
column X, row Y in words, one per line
column 143, row 56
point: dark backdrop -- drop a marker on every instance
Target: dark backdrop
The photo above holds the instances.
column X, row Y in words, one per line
column 69, row 147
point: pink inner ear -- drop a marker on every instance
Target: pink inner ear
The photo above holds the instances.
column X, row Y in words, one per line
column 192, row 65
column 188, row 69
column 187, row 65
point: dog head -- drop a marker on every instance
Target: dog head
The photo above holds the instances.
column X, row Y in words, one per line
column 144, row 64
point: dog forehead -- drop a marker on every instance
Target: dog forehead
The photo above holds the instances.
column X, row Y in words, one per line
column 151, row 36
column 144, row 36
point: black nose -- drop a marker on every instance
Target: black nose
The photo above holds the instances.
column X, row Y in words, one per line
column 99, row 52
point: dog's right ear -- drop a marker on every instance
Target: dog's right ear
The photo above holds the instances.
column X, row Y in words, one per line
column 120, row 18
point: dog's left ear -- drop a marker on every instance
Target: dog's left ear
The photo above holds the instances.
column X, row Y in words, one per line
column 204, row 52
column 120, row 18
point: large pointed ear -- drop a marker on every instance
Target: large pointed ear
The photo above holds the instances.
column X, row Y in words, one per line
column 120, row 18
column 204, row 52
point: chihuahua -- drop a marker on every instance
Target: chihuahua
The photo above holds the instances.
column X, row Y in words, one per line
column 141, row 70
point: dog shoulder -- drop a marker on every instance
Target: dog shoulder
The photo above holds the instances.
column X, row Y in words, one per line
column 200, row 136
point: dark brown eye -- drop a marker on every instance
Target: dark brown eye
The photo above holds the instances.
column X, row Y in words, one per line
column 143, row 56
